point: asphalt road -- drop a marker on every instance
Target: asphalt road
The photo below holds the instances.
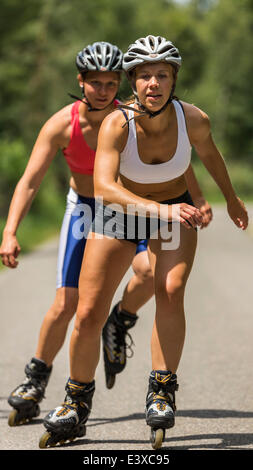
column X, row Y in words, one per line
column 214, row 401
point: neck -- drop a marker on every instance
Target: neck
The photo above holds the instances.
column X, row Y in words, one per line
column 94, row 116
column 158, row 123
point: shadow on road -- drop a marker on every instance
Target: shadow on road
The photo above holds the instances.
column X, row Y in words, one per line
column 203, row 414
column 214, row 414
column 226, row 442
column 222, row 441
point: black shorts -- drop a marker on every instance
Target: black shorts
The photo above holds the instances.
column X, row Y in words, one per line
column 131, row 227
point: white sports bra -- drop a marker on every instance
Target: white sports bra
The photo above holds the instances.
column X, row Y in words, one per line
column 133, row 168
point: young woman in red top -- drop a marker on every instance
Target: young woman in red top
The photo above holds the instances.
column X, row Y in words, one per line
column 74, row 130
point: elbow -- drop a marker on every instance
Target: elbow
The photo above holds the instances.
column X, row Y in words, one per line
column 105, row 191
column 27, row 186
column 99, row 188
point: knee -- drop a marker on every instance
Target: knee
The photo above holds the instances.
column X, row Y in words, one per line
column 143, row 271
column 64, row 306
column 89, row 319
column 172, row 290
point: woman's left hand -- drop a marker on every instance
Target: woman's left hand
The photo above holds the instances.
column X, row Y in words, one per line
column 238, row 213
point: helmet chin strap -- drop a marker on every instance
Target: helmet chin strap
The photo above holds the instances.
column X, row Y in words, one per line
column 155, row 113
column 85, row 101
column 143, row 111
column 88, row 104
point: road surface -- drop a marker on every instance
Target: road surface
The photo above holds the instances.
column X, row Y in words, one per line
column 214, row 401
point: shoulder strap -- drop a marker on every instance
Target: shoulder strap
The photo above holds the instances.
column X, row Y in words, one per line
column 178, row 101
column 122, row 107
column 124, row 112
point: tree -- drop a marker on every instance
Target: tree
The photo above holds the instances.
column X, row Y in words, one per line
column 225, row 88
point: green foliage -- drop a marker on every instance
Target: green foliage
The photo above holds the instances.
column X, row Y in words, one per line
column 225, row 88
column 241, row 177
column 12, row 165
column 39, row 42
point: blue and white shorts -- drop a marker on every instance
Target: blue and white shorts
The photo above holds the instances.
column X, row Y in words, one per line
column 79, row 214
column 80, row 211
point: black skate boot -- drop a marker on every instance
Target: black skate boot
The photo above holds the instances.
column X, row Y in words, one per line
column 114, row 342
column 26, row 397
column 67, row 422
column 160, row 405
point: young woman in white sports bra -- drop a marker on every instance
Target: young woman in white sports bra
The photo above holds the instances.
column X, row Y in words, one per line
column 149, row 148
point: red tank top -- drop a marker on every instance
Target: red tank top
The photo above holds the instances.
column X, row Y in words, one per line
column 79, row 156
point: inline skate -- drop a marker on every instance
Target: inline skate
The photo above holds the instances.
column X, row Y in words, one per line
column 114, row 342
column 67, row 422
column 160, row 405
column 26, row 397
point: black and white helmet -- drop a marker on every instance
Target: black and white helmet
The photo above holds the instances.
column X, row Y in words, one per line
column 151, row 49
column 101, row 57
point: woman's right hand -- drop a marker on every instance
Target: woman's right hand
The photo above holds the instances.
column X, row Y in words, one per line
column 189, row 216
column 9, row 251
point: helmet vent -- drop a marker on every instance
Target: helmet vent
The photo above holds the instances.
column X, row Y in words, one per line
column 100, row 56
column 151, row 49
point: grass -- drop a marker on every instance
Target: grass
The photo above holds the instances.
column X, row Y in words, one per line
column 241, row 176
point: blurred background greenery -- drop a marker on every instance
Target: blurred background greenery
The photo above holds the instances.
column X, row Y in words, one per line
column 39, row 42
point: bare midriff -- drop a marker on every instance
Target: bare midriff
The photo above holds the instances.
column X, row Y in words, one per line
column 82, row 184
column 156, row 191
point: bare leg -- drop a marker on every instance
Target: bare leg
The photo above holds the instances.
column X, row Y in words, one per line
column 26, row 397
column 54, row 326
column 140, row 288
column 171, row 269
column 123, row 317
column 100, row 276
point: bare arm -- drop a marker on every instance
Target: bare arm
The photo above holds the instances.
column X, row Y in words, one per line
column 201, row 138
column 199, row 200
column 111, row 141
column 45, row 149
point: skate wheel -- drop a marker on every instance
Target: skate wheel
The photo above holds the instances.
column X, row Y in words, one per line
column 19, row 417
column 157, row 437
column 44, row 440
column 12, row 421
column 37, row 411
column 110, row 381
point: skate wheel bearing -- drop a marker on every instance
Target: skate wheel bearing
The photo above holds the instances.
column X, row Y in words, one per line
column 157, row 437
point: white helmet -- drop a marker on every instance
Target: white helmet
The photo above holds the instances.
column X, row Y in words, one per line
column 151, row 49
